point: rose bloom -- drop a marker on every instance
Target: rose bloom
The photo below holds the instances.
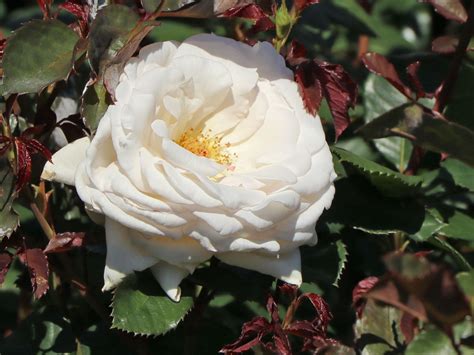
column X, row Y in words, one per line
column 207, row 151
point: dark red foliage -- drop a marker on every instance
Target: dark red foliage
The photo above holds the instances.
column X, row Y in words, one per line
column 312, row 332
column 253, row 333
column 5, row 261
column 379, row 65
column 80, row 9
column 63, row 242
column 44, row 6
column 24, row 148
column 318, row 80
column 425, row 291
column 289, row 290
column 412, row 71
column 296, row 54
column 451, row 9
column 262, row 21
column 445, row 44
column 303, row 4
column 408, row 324
column 309, row 86
column 360, row 290
column 23, row 164
column 38, row 269
column 3, row 43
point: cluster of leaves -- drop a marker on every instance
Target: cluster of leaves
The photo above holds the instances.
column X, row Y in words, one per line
column 392, row 82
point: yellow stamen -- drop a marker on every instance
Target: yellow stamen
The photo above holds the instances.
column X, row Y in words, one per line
column 206, row 145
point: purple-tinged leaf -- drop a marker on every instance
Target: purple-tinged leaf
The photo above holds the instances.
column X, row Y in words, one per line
column 379, row 65
column 63, row 242
column 412, row 71
column 38, row 268
column 5, row 261
column 451, row 9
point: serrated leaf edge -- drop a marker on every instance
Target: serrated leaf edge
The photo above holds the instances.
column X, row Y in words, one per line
column 341, row 267
column 147, row 335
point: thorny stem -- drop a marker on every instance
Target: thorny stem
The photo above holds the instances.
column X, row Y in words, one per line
column 449, row 83
column 42, row 221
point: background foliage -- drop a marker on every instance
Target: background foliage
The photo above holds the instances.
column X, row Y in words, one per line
column 392, row 271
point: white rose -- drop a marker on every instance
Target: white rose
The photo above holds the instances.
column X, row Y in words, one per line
column 208, row 151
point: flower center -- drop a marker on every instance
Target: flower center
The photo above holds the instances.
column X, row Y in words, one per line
column 206, row 145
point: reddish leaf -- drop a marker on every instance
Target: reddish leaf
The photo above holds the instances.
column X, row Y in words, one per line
column 360, row 290
column 379, row 65
column 320, row 79
column 445, row 44
column 303, row 4
column 296, row 54
column 37, row 264
column 289, row 290
column 451, row 9
column 64, row 242
column 5, row 261
column 79, row 9
column 324, row 316
column 251, row 12
column 309, row 86
column 340, row 92
column 3, row 43
column 251, row 335
column 44, row 6
column 412, row 71
column 34, row 146
column 23, row 164
column 408, row 324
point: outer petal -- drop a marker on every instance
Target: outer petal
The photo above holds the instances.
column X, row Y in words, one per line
column 65, row 162
column 122, row 256
column 286, row 267
column 169, row 278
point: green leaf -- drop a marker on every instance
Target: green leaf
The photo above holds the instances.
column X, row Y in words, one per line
column 325, row 263
column 357, row 204
column 378, row 329
column 109, row 33
column 430, row 341
column 94, row 104
column 342, row 254
column 44, row 332
column 9, row 219
column 36, row 55
column 466, row 281
column 359, row 19
column 380, row 97
column 387, row 181
column 410, row 121
column 463, row 175
column 283, row 21
column 432, row 224
column 140, row 306
column 459, row 225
